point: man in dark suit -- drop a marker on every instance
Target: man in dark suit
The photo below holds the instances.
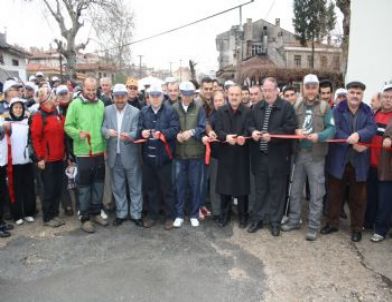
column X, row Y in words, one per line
column 270, row 157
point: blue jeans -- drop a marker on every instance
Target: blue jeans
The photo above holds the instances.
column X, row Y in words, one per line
column 188, row 172
column 90, row 183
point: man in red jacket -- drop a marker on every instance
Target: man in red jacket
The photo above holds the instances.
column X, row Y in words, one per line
column 48, row 140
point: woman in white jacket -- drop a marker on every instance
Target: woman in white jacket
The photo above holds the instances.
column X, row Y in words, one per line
column 23, row 206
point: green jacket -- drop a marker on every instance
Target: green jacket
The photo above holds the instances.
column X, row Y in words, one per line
column 83, row 115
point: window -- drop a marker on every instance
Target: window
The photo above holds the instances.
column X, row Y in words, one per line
column 336, row 62
column 1, row 59
column 256, row 50
column 297, row 61
column 15, row 62
column 323, row 62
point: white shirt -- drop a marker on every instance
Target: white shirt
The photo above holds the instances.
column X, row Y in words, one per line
column 185, row 107
column 120, row 116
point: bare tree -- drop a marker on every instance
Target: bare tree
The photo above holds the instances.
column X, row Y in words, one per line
column 69, row 16
column 114, row 27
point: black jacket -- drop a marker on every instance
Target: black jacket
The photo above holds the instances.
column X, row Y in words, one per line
column 282, row 121
column 233, row 176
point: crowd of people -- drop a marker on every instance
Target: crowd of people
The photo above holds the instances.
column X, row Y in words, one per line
column 178, row 150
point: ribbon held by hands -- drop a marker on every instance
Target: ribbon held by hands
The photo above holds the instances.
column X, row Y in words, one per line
column 163, row 139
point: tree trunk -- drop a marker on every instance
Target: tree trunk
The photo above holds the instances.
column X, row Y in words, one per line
column 70, row 56
column 312, row 58
column 344, row 6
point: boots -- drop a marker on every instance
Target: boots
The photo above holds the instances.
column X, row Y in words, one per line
column 225, row 208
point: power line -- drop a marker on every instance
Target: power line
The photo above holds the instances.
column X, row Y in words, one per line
column 179, row 27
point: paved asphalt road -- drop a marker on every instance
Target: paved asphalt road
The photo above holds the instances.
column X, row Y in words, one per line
column 130, row 264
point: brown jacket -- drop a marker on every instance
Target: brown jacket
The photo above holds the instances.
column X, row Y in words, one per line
column 385, row 164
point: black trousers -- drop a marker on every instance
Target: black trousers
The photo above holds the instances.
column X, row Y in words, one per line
column 242, row 206
column 25, row 203
column 270, row 193
column 52, row 178
column 158, row 183
column 4, row 199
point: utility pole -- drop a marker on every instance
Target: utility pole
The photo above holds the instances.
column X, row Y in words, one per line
column 140, row 66
column 171, row 73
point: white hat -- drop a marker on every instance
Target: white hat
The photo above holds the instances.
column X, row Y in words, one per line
column 387, row 87
column 31, row 85
column 32, row 78
column 187, row 88
column 340, row 91
column 16, row 100
column 311, row 79
column 55, row 79
column 119, row 90
column 229, row 83
column 9, row 84
column 39, row 74
column 170, row 80
column 61, row 89
column 155, row 90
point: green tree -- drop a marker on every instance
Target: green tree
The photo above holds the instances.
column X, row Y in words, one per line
column 313, row 19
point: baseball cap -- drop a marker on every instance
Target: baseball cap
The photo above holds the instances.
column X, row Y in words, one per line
column 9, row 84
column 228, row 83
column 39, row 74
column 155, row 90
column 132, row 82
column 311, row 79
column 340, row 91
column 187, row 88
column 387, row 87
column 120, row 90
column 61, row 89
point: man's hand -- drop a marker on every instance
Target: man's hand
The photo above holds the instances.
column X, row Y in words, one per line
column 256, row 135
column 299, row 132
column 7, row 126
column 146, row 133
column 186, row 135
column 387, row 143
column 359, row 148
column 231, row 139
column 112, row 133
column 124, row 137
column 313, row 137
column 180, row 137
column 83, row 134
column 266, row 137
column 156, row 134
column 353, row 139
column 205, row 140
column 41, row 165
column 212, row 134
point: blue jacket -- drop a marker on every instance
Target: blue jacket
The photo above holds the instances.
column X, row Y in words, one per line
column 166, row 121
column 338, row 153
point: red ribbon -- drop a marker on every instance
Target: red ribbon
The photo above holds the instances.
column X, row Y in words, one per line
column 162, row 138
column 207, row 158
column 10, row 168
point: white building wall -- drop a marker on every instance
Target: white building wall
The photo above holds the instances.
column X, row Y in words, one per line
column 369, row 58
column 21, row 69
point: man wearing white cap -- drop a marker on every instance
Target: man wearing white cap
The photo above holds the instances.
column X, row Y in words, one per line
column 316, row 124
column 120, row 128
column 340, row 95
column 156, row 119
column 29, row 93
column 189, row 153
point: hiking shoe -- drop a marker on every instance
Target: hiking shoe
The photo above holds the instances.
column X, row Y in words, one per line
column 168, row 224
column 29, row 219
column 104, row 215
column 19, row 222
column 149, row 223
column 289, row 227
column 311, row 235
column 101, row 221
column 377, row 238
column 88, row 226
column 52, row 223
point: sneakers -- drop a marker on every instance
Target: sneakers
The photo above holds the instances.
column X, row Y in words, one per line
column 88, row 227
column 311, row 235
column 101, row 221
column 195, row 222
column 4, row 233
column 377, row 238
column 178, row 222
column 52, row 223
column 289, row 227
column 19, row 222
column 29, row 219
column 104, row 215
